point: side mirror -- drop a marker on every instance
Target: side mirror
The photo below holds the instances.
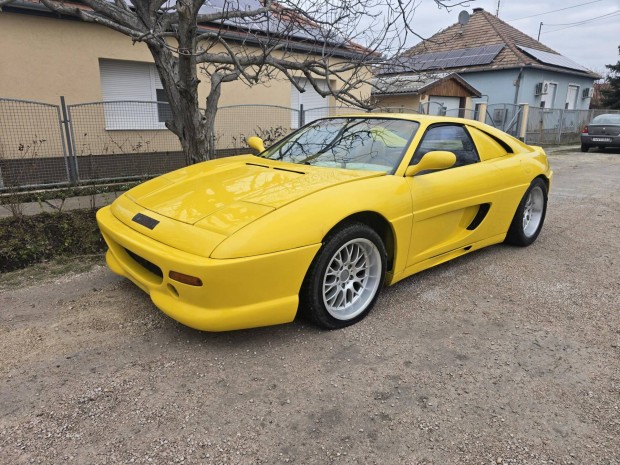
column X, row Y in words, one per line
column 435, row 160
column 256, row 143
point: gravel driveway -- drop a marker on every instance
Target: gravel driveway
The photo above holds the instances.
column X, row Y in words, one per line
column 506, row 355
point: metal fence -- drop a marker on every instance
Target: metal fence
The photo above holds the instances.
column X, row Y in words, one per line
column 44, row 145
column 32, row 145
column 547, row 126
column 122, row 140
column 505, row 116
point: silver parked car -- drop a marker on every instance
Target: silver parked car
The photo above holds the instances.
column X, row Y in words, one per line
column 603, row 131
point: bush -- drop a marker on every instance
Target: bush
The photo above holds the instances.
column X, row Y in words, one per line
column 27, row 240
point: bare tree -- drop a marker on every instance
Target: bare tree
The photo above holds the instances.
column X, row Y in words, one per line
column 336, row 42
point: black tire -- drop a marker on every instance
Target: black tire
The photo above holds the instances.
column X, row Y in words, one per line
column 585, row 147
column 530, row 215
column 325, row 281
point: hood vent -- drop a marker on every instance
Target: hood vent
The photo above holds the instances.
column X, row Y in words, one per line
column 276, row 168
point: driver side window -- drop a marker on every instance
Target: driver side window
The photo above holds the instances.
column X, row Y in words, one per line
column 449, row 137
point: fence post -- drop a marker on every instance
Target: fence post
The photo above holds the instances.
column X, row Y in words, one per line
column 482, row 112
column 560, row 127
column 72, row 162
column 302, row 116
column 525, row 114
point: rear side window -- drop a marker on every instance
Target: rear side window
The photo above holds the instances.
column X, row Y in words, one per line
column 449, row 137
column 488, row 147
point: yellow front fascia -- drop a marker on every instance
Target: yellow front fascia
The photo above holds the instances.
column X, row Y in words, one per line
column 237, row 293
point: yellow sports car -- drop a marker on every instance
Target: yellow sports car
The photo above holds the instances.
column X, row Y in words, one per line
column 321, row 220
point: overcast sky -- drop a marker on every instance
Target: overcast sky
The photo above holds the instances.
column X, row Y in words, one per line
column 592, row 44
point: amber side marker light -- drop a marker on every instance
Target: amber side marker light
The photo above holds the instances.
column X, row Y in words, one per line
column 185, row 278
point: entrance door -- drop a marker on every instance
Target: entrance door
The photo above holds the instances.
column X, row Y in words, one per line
column 571, row 97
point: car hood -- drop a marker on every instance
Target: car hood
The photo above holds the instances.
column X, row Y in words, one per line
column 224, row 195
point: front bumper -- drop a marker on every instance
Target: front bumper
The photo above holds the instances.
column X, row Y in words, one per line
column 236, row 293
column 600, row 141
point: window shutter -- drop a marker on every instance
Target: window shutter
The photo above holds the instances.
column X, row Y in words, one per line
column 123, row 83
column 314, row 104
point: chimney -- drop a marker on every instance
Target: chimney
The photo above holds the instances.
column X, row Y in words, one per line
column 476, row 10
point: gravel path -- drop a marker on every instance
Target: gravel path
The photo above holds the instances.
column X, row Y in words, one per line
column 507, row 356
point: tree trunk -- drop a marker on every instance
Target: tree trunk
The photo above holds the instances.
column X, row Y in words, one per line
column 211, row 111
column 178, row 75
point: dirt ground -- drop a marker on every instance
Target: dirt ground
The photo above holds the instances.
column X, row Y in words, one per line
column 507, row 355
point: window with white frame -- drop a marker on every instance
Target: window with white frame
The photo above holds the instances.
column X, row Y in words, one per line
column 133, row 94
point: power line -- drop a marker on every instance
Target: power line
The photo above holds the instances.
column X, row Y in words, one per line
column 553, row 11
column 613, row 14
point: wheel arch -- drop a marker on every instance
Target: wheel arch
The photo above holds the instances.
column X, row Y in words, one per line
column 545, row 179
column 379, row 224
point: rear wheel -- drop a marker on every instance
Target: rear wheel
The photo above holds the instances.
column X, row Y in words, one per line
column 585, row 147
column 530, row 215
column 345, row 278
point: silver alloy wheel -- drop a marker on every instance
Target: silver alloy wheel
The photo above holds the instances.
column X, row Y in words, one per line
column 352, row 279
column 533, row 211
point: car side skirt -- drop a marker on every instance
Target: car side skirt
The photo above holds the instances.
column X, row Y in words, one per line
column 439, row 259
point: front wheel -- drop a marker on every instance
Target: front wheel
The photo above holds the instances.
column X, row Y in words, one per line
column 530, row 215
column 346, row 277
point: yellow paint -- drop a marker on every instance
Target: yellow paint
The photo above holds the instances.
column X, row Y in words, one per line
column 249, row 228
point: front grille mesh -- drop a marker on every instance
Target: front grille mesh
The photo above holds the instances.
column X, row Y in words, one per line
column 149, row 266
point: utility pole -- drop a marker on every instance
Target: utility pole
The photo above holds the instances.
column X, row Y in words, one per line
column 539, row 28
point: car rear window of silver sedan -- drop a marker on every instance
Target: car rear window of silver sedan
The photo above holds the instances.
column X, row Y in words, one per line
column 606, row 119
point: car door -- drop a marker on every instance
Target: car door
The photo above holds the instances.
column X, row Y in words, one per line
column 451, row 207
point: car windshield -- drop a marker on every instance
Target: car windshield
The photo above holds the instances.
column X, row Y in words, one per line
column 606, row 119
column 371, row 144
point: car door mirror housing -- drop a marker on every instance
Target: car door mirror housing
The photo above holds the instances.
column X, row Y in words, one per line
column 256, row 143
column 435, row 160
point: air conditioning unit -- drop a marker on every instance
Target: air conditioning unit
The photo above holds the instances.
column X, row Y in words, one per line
column 588, row 92
column 541, row 88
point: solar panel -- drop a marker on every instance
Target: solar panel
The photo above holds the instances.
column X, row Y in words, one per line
column 269, row 24
column 211, row 6
column 443, row 60
column 554, row 59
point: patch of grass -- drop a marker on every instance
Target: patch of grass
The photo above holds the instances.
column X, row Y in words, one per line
column 53, row 268
column 27, row 240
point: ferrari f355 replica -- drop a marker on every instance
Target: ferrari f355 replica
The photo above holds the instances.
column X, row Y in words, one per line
column 323, row 219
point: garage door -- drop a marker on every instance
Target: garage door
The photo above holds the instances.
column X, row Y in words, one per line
column 441, row 105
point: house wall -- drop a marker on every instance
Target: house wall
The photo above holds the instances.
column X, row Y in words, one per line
column 412, row 102
column 406, row 102
column 42, row 58
column 496, row 86
column 500, row 86
column 533, row 76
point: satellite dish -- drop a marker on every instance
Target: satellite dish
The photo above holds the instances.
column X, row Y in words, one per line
column 463, row 18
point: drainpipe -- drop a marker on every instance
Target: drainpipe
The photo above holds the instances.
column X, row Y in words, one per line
column 518, row 85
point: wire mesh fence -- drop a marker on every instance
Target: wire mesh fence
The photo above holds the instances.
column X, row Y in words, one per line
column 234, row 124
column 381, row 109
column 45, row 145
column 32, row 149
column 123, row 140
